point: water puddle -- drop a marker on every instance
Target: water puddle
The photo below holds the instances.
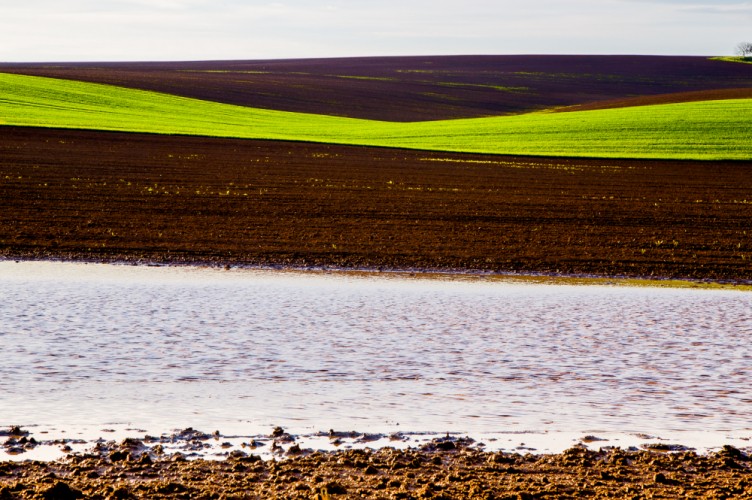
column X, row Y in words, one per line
column 97, row 353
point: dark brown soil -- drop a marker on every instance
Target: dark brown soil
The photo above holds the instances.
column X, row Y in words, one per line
column 702, row 95
column 110, row 196
column 387, row 474
column 414, row 88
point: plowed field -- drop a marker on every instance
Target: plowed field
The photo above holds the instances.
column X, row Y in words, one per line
column 112, row 196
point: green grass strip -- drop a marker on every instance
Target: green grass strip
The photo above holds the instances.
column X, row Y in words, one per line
column 709, row 130
column 734, row 59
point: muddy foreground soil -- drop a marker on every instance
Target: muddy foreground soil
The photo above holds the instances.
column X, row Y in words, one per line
column 97, row 196
column 439, row 470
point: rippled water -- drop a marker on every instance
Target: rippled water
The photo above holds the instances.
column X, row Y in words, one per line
column 162, row 348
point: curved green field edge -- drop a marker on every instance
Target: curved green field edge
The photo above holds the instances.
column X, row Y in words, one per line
column 706, row 130
column 734, row 59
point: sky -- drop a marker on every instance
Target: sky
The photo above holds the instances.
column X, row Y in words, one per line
column 158, row 30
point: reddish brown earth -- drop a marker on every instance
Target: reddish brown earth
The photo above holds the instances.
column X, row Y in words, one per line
column 111, row 196
column 437, row 471
column 702, row 95
column 414, row 88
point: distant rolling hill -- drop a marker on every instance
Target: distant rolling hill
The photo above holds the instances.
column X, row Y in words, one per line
column 419, row 88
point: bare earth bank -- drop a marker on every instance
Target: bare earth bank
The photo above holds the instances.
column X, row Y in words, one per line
column 442, row 469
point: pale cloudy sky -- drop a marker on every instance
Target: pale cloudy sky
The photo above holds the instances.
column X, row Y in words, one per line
column 115, row 30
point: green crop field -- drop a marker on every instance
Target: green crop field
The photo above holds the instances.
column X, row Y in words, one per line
column 696, row 130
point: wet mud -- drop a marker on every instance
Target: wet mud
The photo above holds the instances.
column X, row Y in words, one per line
column 95, row 196
column 445, row 468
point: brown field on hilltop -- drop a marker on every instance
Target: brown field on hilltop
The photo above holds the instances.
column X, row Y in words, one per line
column 415, row 88
column 112, row 196
column 702, row 95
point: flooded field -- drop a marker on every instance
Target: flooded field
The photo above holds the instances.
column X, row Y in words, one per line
column 101, row 351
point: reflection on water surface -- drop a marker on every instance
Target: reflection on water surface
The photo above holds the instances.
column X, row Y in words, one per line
column 91, row 346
